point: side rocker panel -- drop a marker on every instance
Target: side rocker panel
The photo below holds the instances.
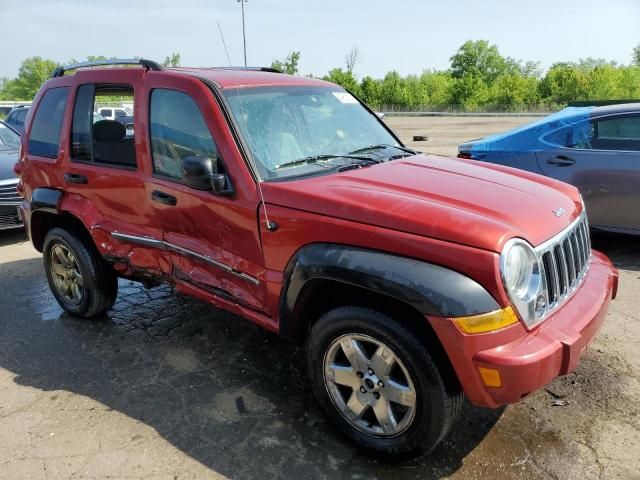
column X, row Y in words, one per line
column 430, row 289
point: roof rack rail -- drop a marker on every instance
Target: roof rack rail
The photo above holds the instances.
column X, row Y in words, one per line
column 148, row 64
column 253, row 69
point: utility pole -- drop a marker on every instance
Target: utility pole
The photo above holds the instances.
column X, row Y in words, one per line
column 244, row 37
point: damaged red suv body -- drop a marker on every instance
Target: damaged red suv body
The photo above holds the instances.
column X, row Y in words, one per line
column 410, row 278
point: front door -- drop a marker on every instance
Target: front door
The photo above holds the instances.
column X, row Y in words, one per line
column 213, row 240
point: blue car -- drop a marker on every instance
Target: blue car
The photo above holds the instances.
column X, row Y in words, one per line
column 597, row 149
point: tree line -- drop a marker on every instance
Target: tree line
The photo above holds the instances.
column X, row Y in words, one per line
column 479, row 78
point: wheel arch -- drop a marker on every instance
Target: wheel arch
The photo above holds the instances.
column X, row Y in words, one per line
column 321, row 276
column 46, row 212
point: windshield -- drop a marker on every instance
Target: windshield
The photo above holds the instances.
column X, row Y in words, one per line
column 9, row 140
column 284, row 124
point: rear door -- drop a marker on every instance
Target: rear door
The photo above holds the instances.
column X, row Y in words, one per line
column 105, row 173
column 214, row 240
column 602, row 158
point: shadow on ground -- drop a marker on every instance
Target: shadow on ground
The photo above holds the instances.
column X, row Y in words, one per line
column 220, row 389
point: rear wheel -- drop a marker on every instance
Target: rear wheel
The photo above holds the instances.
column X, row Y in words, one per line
column 378, row 383
column 82, row 283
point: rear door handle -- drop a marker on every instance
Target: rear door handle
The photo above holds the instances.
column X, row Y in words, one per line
column 163, row 197
column 75, row 178
column 561, row 161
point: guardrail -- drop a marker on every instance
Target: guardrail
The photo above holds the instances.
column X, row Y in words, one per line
column 13, row 103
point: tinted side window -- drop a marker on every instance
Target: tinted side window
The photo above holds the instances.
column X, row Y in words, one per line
column 178, row 130
column 621, row 133
column 95, row 139
column 21, row 116
column 106, row 112
column 44, row 139
column 81, row 128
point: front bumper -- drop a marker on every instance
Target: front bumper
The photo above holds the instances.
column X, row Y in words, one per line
column 528, row 360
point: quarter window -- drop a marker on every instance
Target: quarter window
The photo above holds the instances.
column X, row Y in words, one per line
column 178, row 130
column 44, row 139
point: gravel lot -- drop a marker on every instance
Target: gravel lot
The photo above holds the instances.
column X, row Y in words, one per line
column 168, row 387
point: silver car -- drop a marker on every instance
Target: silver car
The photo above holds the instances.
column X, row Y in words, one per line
column 597, row 149
column 9, row 198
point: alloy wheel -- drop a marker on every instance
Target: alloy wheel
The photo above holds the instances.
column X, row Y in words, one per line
column 369, row 385
column 66, row 274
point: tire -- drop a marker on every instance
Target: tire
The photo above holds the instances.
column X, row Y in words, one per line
column 437, row 397
column 65, row 256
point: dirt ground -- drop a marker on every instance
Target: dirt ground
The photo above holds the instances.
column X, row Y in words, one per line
column 166, row 387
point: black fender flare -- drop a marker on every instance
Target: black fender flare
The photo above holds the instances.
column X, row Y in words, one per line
column 43, row 201
column 428, row 288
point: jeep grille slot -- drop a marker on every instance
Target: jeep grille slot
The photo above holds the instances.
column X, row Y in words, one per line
column 565, row 261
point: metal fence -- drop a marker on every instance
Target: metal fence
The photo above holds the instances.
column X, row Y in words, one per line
column 460, row 110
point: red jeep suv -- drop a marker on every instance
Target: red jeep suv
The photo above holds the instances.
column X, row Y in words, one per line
column 412, row 280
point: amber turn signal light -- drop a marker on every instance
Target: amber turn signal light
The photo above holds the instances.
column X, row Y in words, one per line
column 486, row 322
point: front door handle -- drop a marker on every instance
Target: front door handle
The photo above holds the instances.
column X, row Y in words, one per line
column 561, row 161
column 163, row 197
column 75, row 178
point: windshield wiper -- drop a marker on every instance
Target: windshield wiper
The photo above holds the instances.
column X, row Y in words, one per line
column 380, row 146
column 318, row 158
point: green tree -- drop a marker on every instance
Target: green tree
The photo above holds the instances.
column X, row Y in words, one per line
column 371, row 91
column 469, row 91
column 33, row 72
column 514, row 91
column 344, row 79
column 636, row 55
column 564, row 83
column 393, row 90
column 480, row 59
column 172, row 60
column 289, row 65
column 438, row 87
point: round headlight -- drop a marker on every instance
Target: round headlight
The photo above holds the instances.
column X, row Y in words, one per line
column 518, row 268
column 521, row 275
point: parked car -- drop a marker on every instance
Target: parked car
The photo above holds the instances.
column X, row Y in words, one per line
column 597, row 149
column 113, row 113
column 411, row 280
column 10, row 216
column 16, row 117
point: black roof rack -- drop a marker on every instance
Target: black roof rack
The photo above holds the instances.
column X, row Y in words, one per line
column 252, row 69
column 148, row 64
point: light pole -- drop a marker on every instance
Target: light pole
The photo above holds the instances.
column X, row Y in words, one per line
column 244, row 37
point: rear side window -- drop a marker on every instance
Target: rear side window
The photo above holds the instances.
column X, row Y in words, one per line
column 621, row 133
column 21, row 116
column 178, row 130
column 44, row 139
column 97, row 139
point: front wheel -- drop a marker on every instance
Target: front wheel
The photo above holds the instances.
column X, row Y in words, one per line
column 378, row 383
column 82, row 283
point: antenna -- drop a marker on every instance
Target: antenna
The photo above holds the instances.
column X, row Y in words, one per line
column 271, row 226
column 224, row 44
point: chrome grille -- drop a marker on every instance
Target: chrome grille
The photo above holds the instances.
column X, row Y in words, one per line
column 565, row 261
column 9, row 193
column 9, row 221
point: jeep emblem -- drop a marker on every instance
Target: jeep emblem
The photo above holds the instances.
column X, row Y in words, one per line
column 559, row 212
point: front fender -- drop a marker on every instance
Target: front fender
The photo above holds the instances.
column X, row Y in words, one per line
column 430, row 289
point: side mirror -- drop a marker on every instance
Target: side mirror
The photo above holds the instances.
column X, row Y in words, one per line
column 201, row 173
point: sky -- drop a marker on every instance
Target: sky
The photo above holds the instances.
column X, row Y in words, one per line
column 408, row 36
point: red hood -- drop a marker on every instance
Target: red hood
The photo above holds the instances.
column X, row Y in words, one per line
column 468, row 202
